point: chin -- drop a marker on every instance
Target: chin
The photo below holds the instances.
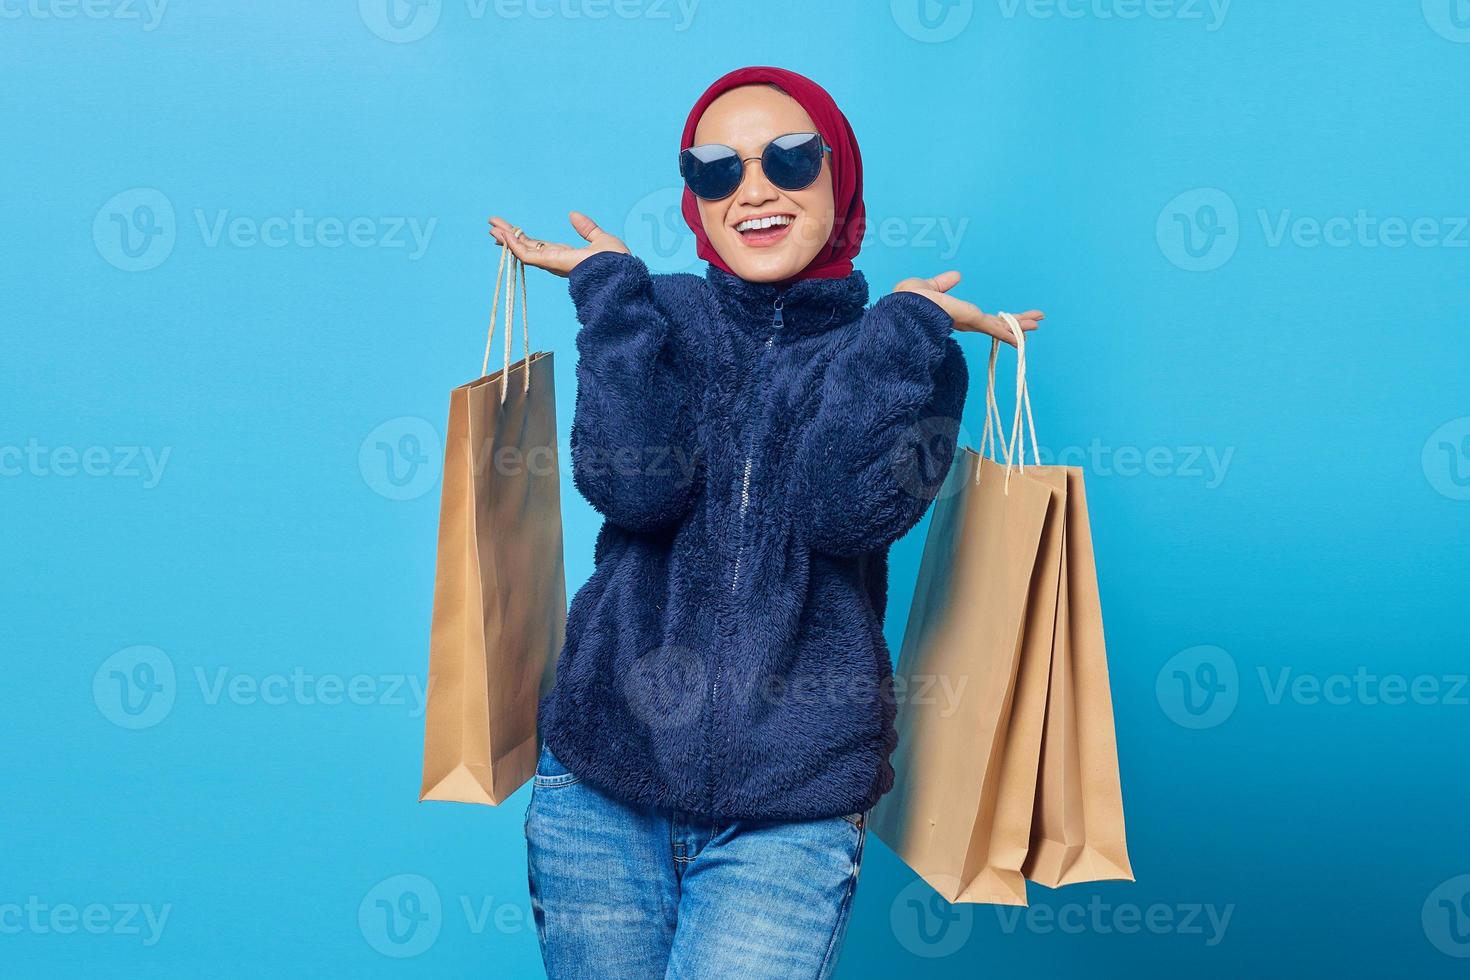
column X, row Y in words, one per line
column 764, row 264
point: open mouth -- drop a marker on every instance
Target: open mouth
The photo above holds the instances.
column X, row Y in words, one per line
column 765, row 229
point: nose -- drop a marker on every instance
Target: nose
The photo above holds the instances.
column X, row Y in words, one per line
column 754, row 188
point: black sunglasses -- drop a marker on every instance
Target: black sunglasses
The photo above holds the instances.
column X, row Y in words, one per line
column 713, row 171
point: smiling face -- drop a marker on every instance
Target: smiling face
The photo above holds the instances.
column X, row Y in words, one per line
column 764, row 233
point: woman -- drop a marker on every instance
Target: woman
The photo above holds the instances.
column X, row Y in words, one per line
column 723, row 710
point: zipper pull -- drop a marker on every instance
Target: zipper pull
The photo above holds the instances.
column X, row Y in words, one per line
column 776, row 320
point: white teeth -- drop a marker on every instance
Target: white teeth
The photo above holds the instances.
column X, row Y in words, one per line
column 751, row 224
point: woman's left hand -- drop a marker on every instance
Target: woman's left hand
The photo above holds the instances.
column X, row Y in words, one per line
column 966, row 315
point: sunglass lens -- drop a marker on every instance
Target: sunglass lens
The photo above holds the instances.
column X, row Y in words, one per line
column 793, row 161
column 712, row 171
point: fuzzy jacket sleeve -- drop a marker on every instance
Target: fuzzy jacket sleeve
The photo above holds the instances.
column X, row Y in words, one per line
column 885, row 428
column 633, row 435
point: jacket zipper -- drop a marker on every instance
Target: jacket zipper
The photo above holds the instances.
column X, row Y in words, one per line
column 750, row 458
column 714, row 693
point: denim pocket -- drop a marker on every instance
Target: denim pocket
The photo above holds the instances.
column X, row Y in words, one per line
column 550, row 772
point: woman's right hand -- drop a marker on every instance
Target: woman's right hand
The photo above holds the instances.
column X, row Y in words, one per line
column 555, row 257
column 966, row 315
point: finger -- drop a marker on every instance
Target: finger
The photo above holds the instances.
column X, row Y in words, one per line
column 999, row 327
column 505, row 233
column 533, row 251
column 500, row 229
column 968, row 316
column 519, row 246
column 554, row 257
column 941, row 283
column 945, row 281
column 585, row 226
column 996, row 325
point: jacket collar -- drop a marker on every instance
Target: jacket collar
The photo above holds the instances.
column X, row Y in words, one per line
column 807, row 305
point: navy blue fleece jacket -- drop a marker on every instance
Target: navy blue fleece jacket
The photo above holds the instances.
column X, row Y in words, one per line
column 755, row 451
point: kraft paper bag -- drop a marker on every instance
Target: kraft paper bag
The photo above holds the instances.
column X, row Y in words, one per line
column 1011, row 828
column 1006, row 608
column 960, row 811
column 1079, row 833
column 499, row 586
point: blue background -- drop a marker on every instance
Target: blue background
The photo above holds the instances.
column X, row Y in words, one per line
column 1128, row 174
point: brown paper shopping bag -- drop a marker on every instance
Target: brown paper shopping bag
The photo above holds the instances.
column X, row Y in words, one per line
column 1077, row 831
column 499, row 585
column 1078, row 834
column 960, row 811
column 1026, row 757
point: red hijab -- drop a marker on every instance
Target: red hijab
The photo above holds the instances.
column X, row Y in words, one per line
column 834, row 261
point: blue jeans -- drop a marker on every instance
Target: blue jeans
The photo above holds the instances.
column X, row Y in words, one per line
column 626, row 891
